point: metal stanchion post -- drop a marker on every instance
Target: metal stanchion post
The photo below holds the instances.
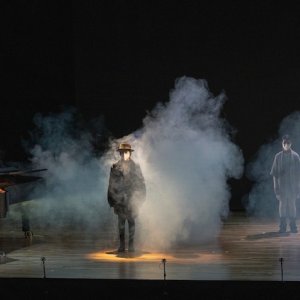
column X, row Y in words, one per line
column 281, row 266
column 164, row 261
column 43, row 259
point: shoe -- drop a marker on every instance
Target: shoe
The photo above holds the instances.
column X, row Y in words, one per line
column 121, row 249
column 294, row 229
column 282, row 225
column 293, row 225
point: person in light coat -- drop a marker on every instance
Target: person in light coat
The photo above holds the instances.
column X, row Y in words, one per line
column 286, row 179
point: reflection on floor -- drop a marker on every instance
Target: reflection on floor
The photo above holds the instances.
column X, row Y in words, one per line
column 247, row 249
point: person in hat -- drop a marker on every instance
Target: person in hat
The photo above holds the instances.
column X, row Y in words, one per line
column 126, row 193
column 286, row 178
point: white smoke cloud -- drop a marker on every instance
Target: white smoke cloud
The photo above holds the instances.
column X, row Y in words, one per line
column 74, row 192
column 261, row 200
column 186, row 154
column 185, row 151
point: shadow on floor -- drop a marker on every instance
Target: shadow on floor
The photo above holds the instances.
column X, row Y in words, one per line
column 266, row 235
column 127, row 254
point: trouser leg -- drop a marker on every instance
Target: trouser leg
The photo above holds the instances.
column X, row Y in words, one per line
column 288, row 210
column 292, row 214
column 282, row 215
column 121, row 224
column 291, row 207
column 282, row 208
column 131, row 229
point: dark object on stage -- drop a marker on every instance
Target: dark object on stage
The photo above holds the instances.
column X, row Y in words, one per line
column 16, row 186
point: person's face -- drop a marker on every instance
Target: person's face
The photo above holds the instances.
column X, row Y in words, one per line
column 125, row 154
column 286, row 145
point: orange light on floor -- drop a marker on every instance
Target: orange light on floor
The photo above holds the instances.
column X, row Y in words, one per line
column 126, row 256
column 182, row 257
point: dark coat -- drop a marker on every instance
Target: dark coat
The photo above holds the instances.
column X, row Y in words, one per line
column 126, row 189
column 286, row 170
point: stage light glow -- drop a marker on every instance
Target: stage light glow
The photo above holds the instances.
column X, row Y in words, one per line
column 178, row 258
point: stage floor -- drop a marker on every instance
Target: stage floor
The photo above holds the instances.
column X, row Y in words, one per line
column 247, row 249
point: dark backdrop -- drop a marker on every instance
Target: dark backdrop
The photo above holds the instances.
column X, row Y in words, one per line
column 118, row 59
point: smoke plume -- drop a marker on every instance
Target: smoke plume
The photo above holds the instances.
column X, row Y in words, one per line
column 185, row 151
column 74, row 189
column 186, row 155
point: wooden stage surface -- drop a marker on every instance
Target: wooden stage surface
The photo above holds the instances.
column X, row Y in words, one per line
column 248, row 249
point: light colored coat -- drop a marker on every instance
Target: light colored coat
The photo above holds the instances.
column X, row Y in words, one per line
column 286, row 170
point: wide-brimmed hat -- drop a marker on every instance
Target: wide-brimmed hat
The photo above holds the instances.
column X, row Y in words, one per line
column 125, row 147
